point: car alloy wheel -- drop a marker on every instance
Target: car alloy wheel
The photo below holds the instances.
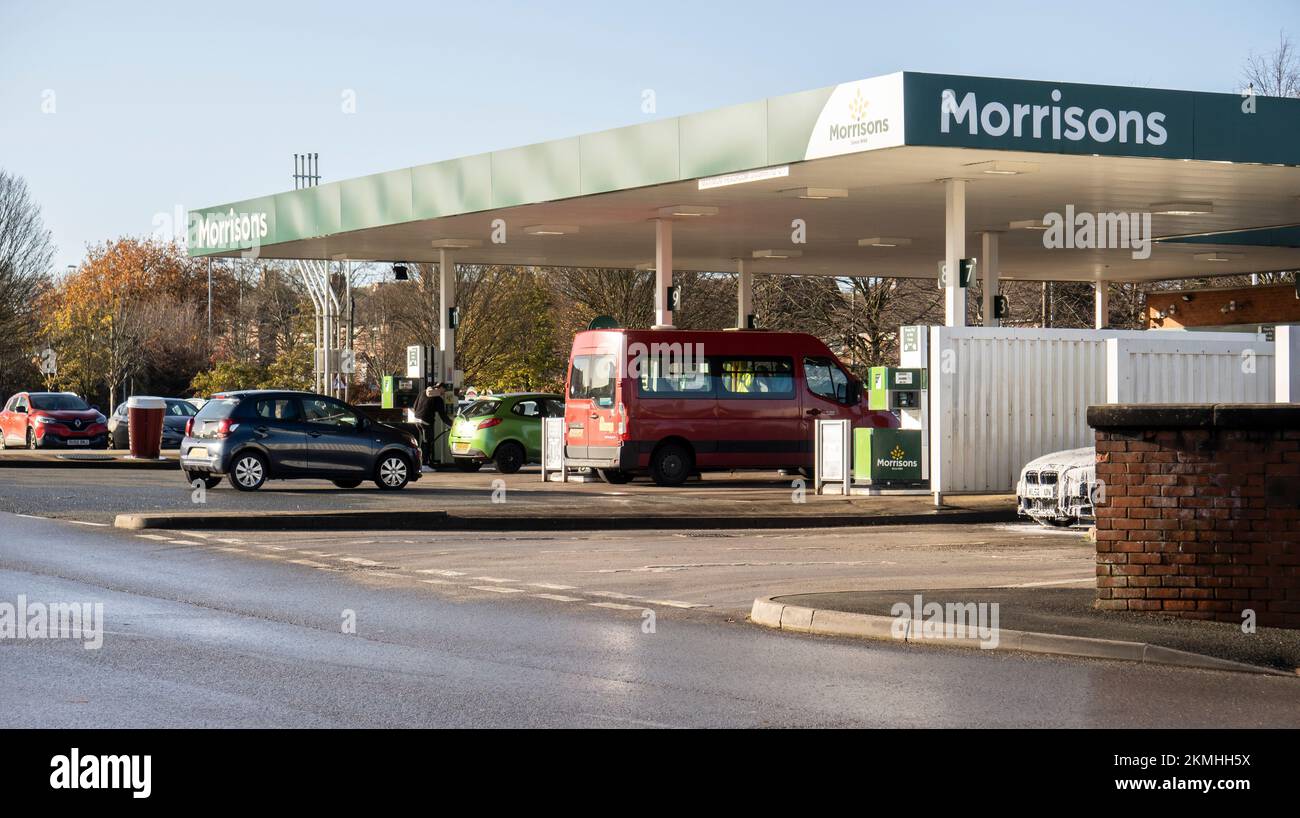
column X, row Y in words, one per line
column 393, row 472
column 31, row 439
column 509, row 457
column 249, row 472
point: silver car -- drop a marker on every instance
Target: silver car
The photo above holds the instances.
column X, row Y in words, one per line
column 1060, row 489
column 178, row 413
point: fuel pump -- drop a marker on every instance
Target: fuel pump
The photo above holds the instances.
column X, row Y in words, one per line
column 897, row 457
column 422, row 365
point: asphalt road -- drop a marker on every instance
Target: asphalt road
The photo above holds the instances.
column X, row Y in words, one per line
column 97, row 495
column 200, row 637
column 722, row 571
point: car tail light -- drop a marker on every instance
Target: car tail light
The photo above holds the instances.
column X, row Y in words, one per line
column 225, row 427
column 489, row 423
column 189, row 427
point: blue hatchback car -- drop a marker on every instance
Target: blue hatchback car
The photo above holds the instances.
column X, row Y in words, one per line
column 259, row 435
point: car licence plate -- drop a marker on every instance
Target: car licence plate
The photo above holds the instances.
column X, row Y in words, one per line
column 199, row 451
column 460, row 448
column 78, row 442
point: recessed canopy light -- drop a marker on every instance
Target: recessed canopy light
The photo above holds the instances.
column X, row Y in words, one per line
column 1216, row 256
column 1004, row 168
column 686, row 211
column 884, row 241
column 455, row 244
column 1182, row 208
column 1027, row 224
column 777, row 253
column 550, row 229
column 816, row 193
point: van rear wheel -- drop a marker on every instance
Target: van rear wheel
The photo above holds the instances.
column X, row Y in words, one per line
column 671, row 464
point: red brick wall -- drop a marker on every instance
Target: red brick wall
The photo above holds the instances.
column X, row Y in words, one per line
column 1201, row 521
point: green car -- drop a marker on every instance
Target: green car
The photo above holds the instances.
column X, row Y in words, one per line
column 505, row 429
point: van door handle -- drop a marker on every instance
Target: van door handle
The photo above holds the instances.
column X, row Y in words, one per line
column 814, row 412
column 313, row 434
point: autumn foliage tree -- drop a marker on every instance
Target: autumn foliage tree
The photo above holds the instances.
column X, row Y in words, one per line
column 127, row 310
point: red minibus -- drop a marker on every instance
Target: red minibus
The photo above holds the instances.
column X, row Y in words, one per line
column 674, row 402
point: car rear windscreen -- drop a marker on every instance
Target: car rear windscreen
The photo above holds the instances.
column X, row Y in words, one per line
column 217, row 409
column 482, row 408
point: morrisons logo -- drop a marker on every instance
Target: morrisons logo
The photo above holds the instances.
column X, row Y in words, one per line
column 897, row 459
column 1028, row 120
column 861, row 126
column 228, row 229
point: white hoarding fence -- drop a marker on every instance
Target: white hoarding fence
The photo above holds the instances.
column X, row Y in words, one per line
column 1000, row 397
column 1189, row 369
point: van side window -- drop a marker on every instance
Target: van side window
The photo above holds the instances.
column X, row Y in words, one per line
column 666, row 377
column 826, row 380
column 592, row 377
column 756, row 378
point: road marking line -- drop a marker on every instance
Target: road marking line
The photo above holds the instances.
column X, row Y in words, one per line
column 198, row 534
column 311, row 564
column 185, row 542
column 440, row 572
column 153, row 537
column 558, row 597
column 616, row 606
column 497, row 589
column 442, row 582
column 1050, row 582
column 672, row 603
column 30, row 516
column 551, row 586
column 494, row 579
column 613, row 595
column 232, row 540
column 234, row 550
column 359, row 561
column 83, row 522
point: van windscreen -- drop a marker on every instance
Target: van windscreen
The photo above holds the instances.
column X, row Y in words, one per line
column 592, row 377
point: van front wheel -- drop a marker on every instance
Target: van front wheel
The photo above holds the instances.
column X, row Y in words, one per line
column 670, row 465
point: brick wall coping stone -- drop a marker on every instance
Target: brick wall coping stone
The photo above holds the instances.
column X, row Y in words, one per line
column 1249, row 416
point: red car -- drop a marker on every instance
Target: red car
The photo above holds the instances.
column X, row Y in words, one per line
column 673, row 402
column 41, row 420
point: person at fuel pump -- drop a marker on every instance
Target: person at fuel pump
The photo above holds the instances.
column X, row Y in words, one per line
column 427, row 408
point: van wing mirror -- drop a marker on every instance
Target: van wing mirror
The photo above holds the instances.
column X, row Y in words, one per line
column 855, row 392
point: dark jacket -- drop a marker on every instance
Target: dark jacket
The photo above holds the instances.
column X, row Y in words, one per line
column 427, row 408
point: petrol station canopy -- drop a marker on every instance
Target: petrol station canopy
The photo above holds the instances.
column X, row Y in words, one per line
column 866, row 166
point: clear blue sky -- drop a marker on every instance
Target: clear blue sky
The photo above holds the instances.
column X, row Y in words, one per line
column 159, row 105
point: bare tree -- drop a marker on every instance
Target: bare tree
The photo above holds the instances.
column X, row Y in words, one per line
column 1277, row 73
column 26, row 252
